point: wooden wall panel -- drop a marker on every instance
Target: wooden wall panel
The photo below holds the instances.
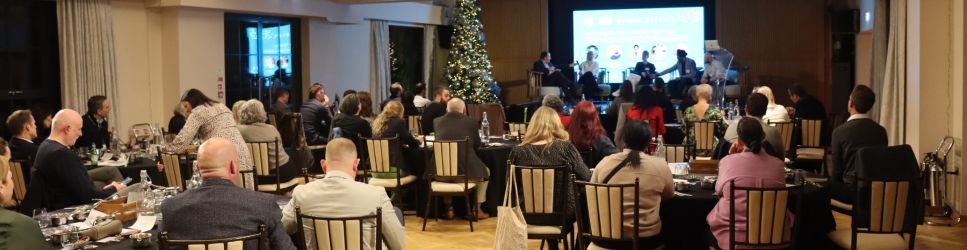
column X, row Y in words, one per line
column 782, row 42
column 516, row 33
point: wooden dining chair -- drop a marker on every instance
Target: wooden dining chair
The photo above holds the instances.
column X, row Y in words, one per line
column 449, row 157
column 679, row 152
column 602, row 218
column 230, row 243
column 265, row 155
column 273, row 120
column 785, row 132
column 414, row 123
column 765, row 216
column 810, row 147
column 347, row 233
column 537, row 189
column 19, row 180
column 172, row 164
column 704, row 137
column 380, row 164
column 892, row 206
column 517, row 129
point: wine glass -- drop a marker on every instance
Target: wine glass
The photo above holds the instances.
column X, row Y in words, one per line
column 40, row 215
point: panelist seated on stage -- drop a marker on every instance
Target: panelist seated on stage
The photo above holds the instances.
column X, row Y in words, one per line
column 59, row 178
column 687, row 74
column 588, row 79
column 644, row 68
column 553, row 76
column 714, row 71
column 219, row 208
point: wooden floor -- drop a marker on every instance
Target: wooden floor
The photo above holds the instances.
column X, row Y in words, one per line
column 455, row 234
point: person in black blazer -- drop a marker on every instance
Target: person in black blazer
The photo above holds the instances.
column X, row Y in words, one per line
column 858, row 132
column 806, row 106
column 436, row 109
column 219, row 208
column 316, row 117
column 456, row 126
column 552, row 76
column 23, row 130
column 644, row 68
column 97, row 131
column 352, row 127
column 390, row 124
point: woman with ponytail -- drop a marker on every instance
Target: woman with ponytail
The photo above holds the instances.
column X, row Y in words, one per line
column 654, row 184
column 750, row 166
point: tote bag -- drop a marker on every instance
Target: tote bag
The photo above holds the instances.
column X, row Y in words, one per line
column 511, row 226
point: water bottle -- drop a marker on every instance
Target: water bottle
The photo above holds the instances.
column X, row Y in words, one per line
column 485, row 126
column 336, row 132
column 92, row 155
column 145, row 181
column 660, row 147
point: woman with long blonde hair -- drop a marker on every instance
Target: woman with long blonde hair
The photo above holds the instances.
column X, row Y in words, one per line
column 546, row 143
column 390, row 124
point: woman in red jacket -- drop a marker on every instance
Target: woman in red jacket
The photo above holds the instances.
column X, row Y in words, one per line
column 648, row 109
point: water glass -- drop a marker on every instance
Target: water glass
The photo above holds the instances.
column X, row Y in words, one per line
column 42, row 218
column 70, row 238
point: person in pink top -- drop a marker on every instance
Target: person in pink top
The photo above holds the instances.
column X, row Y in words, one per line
column 750, row 166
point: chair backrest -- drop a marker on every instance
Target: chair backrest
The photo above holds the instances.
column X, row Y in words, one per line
column 679, row 152
column 19, row 182
column 495, row 116
column 291, row 130
column 172, row 163
column 273, row 120
column 888, row 205
column 622, row 116
column 680, row 116
column 605, row 204
column 141, row 131
column 343, row 233
column 537, row 186
column 261, row 156
column 414, row 123
column 704, row 135
column 230, row 243
column 517, row 129
column 449, row 155
column 379, row 152
column 812, row 131
column 534, row 82
column 785, row 131
column 765, row 215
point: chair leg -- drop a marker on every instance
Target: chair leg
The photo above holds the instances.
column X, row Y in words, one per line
column 913, row 237
column 426, row 209
column 473, row 214
column 542, row 244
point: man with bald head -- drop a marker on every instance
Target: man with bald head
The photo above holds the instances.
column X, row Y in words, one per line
column 219, row 208
column 455, row 125
column 58, row 178
column 339, row 195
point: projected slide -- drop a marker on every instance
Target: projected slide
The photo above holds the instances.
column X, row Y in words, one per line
column 619, row 36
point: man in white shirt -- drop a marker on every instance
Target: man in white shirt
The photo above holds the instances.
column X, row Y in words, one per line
column 590, row 65
column 588, row 79
column 339, row 195
column 714, row 71
column 420, row 100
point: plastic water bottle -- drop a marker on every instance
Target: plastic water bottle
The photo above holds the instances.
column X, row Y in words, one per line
column 92, row 154
column 485, row 126
column 660, row 147
column 336, row 132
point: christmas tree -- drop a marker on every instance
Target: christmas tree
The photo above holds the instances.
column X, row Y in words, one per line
column 469, row 72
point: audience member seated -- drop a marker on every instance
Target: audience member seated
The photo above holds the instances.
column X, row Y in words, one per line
column 390, row 124
column 395, row 94
column 220, row 209
column 97, row 132
column 586, row 131
column 280, row 104
column 667, row 107
column 441, row 95
column 58, row 178
column 235, row 109
column 351, row 126
column 348, row 92
column 45, row 121
column 546, row 144
column 420, row 100
column 689, row 99
column 755, row 107
column 366, row 108
column 775, row 112
column 749, row 166
column 17, row 231
column 178, row 119
column 316, row 118
column 210, row 119
column 254, row 129
column 859, row 131
column 555, row 103
column 456, row 125
column 703, row 111
column 647, row 108
column 625, row 94
column 806, row 106
column 339, row 195
column 408, row 107
column 23, row 130
column 654, row 180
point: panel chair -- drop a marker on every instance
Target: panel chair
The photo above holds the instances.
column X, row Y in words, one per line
column 704, row 137
column 380, row 163
column 810, row 148
column 893, row 208
column 517, row 130
column 348, row 233
column 230, row 243
column 265, row 155
column 785, row 132
column 599, row 214
column 172, row 164
column 538, row 199
column 415, row 124
column 679, row 152
column 765, row 216
column 449, row 157
column 19, row 182
column 535, row 81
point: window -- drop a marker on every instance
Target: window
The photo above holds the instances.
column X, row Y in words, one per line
column 261, row 56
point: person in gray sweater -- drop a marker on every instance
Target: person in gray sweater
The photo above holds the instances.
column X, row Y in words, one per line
column 254, row 129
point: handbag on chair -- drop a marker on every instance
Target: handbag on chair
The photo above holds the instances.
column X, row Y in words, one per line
column 511, row 226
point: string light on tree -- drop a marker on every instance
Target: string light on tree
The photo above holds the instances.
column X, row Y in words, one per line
column 469, row 73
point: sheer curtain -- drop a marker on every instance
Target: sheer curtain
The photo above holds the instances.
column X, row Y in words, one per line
column 893, row 90
column 380, row 72
column 87, row 62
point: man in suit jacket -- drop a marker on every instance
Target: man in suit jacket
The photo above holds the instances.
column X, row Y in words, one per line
column 859, row 131
column 23, row 129
column 97, row 132
column 436, row 109
column 316, row 118
column 339, row 195
column 806, row 106
column 687, row 74
column 457, row 126
column 220, row 208
column 552, row 76
column 755, row 107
